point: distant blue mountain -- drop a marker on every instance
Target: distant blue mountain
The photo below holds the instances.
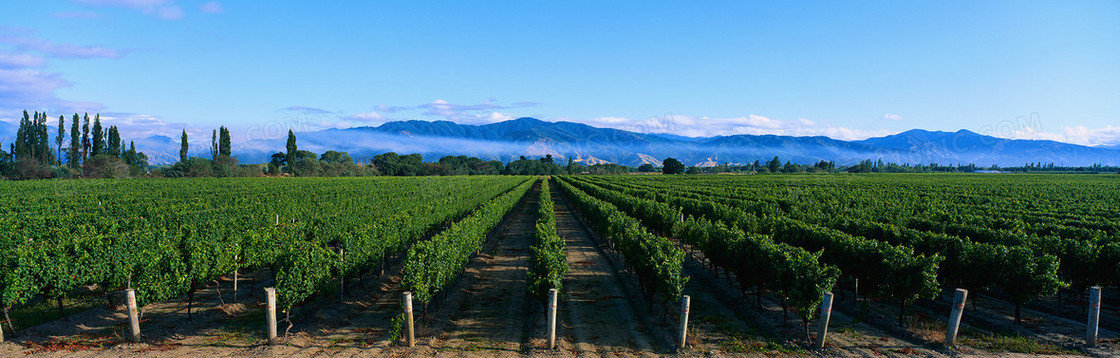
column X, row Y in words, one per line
column 529, row 137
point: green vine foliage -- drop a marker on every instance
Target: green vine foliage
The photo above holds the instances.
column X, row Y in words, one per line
column 547, row 264
column 182, row 233
column 657, row 261
column 432, row 265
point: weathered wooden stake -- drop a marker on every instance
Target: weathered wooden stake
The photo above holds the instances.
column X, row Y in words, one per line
column 270, row 297
column 552, row 318
column 234, row 285
column 408, row 319
column 685, row 301
column 955, row 316
column 826, row 313
column 341, row 275
column 277, row 219
column 133, row 319
column 1094, row 316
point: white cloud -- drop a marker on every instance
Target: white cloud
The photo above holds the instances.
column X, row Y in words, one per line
column 1106, row 136
column 25, row 40
column 704, row 126
column 212, row 7
column 367, row 117
column 19, row 60
column 892, row 117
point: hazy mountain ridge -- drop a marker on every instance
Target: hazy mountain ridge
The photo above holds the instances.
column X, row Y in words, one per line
column 509, row 140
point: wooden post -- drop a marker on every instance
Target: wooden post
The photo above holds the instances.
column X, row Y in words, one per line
column 236, row 258
column 277, row 219
column 411, row 334
column 341, row 275
column 234, row 285
column 1094, row 316
column 955, row 316
column 133, row 319
column 270, row 297
column 826, row 313
column 685, row 301
column 552, row 318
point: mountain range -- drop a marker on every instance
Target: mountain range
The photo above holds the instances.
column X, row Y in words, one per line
column 529, row 137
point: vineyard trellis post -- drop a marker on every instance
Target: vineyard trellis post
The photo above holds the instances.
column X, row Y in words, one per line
column 826, row 313
column 133, row 319
column 237, row 259
column 408, row 319
column 685, row 301
column 270, row 297
column 341, row 275
column 552, row 318
column 1094, row 316
column 955, row 316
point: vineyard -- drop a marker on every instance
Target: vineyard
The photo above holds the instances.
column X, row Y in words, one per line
column 478, row 254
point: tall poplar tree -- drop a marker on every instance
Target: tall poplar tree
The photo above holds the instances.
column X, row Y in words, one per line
column 183, row 147
column 214, row 146
column 75, row 157
column 224, row 145
column 98, row 136
column 114, row 148
column 85, row 138
column 291, row 147
column 61, row 135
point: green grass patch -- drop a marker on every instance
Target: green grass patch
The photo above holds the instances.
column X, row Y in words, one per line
column 47, row 311
column 998, row 342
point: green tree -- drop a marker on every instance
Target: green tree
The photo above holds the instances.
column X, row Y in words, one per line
column 292, row 148
column 672, row 166
column 278, row 161
column 791, row 168
column 335, row 157
column 114, row 148
column 183, row 147
column 61, row 135
column 98, row 140
column 224, row 145
column 774, row 165
column 75, row 156
column 214, row 145
column 647, row 168
column 85, row 138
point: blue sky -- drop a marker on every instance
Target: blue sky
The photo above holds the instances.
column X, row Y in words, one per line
column 848, row 70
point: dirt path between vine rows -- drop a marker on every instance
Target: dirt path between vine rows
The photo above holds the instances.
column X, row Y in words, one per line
column 487, row 309
column 596, row 315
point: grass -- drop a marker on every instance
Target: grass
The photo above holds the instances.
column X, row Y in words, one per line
column 752, row 341
column 1002, row 342
column 47, row 311
column 246, row 330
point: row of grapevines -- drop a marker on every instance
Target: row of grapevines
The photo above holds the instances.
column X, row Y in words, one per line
column 965, row 247
column 656, row 260
column 792, row 273
column 183, row 233
column 893, row 271
column 432, row 265
column 548, row 264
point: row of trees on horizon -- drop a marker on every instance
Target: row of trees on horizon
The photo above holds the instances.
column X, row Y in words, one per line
column 97, row 152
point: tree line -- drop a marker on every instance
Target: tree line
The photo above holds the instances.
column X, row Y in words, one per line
column 99, row 153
